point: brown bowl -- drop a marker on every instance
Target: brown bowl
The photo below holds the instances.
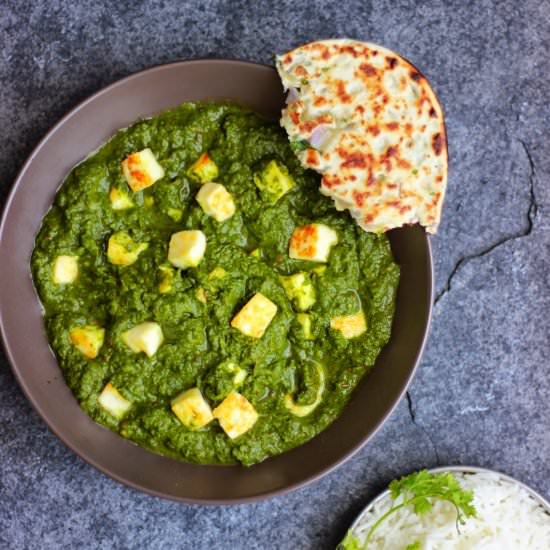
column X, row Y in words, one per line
column 83, row 130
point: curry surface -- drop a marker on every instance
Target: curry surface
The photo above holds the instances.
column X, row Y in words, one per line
column 198, row 336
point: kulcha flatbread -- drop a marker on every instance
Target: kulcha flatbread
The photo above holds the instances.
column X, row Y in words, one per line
column 370, row 123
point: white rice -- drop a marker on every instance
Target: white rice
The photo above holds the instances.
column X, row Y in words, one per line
column 508, row 518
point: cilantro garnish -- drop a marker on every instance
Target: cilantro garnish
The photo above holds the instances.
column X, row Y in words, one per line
column 350, row 542
column 419, row 490
column 299, row 144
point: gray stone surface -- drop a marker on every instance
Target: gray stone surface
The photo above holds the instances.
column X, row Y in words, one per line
column 481, row 395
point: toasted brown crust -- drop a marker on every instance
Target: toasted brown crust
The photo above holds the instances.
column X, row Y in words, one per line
column 376, row 131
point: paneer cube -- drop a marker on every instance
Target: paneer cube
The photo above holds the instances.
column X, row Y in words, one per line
column 192, row 409
column 350, row 325
column 187, row 248
column 123, row 250
column 87, row 339
column 273, row 181
column 255, row 316
column 216, row 201
column 312, row 242
column 111, row 401
column 65, row 269
column 141, row 170
column 119, row 199
column 146, row 337
column 300, row 290
column 235, row 414
column 203, row 170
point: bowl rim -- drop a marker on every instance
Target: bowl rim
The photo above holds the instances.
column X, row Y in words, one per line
column 456, row 469
column 7, row 348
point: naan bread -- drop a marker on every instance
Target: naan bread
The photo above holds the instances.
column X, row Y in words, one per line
column 370, row 123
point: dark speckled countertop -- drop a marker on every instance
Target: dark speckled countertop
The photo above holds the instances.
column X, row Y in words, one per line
column 482, row 393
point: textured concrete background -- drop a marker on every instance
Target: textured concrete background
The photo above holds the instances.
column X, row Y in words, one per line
column 481, row 395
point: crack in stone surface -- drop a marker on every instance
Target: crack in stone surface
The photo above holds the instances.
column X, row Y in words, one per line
column 530, row 215
column 412, row 414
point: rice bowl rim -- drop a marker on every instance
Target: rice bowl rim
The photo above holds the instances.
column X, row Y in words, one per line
column 458, row 470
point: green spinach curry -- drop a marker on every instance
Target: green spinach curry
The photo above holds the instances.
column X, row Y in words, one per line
column 203, row 299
